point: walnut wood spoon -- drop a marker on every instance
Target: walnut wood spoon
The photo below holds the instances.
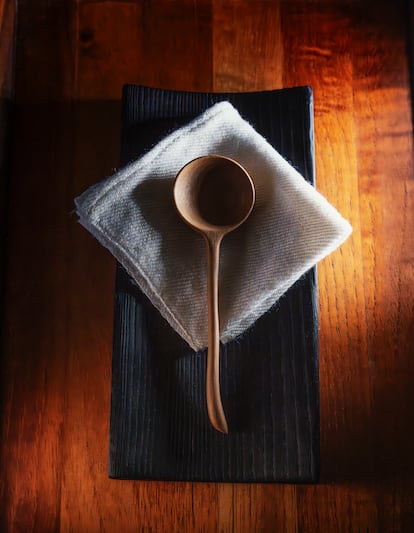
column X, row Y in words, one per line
column 214, row 195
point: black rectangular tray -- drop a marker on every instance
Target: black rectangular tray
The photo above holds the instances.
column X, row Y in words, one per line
column 269, row 377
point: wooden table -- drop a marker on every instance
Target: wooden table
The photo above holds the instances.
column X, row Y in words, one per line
column 72, row 60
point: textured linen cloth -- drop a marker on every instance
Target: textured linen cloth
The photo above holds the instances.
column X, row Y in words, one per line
column 291, row 227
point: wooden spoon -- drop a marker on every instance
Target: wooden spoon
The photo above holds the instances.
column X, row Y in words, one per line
column 214, row 195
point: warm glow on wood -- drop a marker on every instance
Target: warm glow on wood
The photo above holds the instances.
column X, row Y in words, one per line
column 72, row 61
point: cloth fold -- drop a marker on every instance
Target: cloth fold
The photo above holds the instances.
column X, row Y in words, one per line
column 291, row 228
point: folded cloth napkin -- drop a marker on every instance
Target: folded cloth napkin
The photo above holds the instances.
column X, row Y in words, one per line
column 291, row 227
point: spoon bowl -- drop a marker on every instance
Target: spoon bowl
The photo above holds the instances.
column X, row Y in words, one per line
column 214, row 195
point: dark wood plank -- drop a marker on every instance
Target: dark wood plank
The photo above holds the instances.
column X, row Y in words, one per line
column 36, row 343
column 7, row 63
column 157, row 44
column 7, row 47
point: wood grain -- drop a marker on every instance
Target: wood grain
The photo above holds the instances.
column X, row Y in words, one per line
column 248, row 45
column 72, row 60
column 345, row 406
column 7, row 49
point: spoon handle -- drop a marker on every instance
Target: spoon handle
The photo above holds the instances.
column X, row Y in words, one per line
column 214, row 405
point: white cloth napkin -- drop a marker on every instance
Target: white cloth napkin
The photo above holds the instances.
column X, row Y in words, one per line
column 291, row 227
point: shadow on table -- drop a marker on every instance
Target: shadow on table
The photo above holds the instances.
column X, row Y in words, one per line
column 376, row 441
